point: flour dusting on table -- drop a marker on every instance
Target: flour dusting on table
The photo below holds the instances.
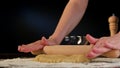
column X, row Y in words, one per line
column 29, row 63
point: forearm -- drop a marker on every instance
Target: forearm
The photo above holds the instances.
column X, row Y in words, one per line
column 71, row 16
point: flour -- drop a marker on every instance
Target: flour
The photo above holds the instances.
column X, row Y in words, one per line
column 29, row 63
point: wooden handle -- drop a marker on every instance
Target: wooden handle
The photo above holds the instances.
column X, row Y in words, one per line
column 113, row 27
column 113, row 24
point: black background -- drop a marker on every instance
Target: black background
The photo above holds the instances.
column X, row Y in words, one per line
column 27, row 21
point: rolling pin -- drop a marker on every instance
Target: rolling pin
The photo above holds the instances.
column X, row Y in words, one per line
column 81, row 49
column 67, row 49
column 63, row 50
column 113, row 27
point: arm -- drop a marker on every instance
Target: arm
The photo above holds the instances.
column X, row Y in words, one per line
column 71, row 16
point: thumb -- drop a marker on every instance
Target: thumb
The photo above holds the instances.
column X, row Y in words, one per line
column 91, row 39
column 44, row 41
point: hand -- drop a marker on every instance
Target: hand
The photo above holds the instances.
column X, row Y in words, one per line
column 37, row 45
column 102, row 45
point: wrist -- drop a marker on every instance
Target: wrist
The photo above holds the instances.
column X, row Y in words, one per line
column 55, row 39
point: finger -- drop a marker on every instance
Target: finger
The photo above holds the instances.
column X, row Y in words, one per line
column 19, row 48
column 91, row 39
column 44, row 41
column 23, row 50
column 97, row 52
column 101, row 50
column 92, row 55
column 110, row 46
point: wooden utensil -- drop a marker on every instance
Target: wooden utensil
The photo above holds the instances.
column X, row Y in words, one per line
column 67, row 49
column 113, row 27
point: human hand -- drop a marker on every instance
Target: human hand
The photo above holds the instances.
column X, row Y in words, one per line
column 102, row 45
column 37, row 45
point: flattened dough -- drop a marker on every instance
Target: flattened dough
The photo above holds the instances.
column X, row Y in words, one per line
column 61, row 58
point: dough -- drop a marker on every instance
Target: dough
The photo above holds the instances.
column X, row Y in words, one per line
column 61, row 58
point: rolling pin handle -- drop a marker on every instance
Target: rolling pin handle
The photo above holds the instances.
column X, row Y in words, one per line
column 113, row 27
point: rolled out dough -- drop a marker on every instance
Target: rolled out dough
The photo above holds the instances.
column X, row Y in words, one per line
column 61, row 58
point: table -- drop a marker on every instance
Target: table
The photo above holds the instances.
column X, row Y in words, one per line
column 14, row 55
column 29, row 63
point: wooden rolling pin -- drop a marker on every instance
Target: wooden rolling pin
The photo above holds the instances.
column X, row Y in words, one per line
column 113, row 27
column 72, row 50
column 81, row 49
column 63, row 50
column 67, row 49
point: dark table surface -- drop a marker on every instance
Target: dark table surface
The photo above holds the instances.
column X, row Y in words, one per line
column 15, row 55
